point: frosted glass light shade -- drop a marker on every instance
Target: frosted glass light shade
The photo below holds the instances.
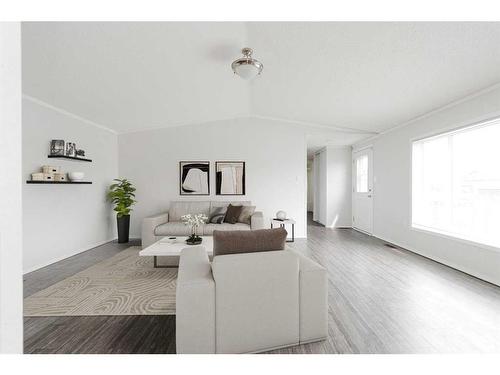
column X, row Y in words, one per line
column 246, row 71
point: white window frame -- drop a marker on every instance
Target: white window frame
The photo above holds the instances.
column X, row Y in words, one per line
column 436, row 232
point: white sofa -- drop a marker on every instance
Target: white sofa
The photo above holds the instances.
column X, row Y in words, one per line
column 170, row 224
column 247, row 303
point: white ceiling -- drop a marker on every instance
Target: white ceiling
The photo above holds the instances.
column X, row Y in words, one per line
column 367, row 77
column 370, row 76
column 132, row 76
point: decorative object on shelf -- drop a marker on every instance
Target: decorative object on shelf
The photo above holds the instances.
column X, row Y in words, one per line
column 281, row 215
column 247, row 67
column 50, row 169
column 122, row 195
column 194, row 221
column 76, row 176
column 70, row 149
column 67, row 150
column 230, row 178
column 57, row 147
column 60, row 177
column 52, row 174
column 37, row 176
column 194, row 178
column 42, row 176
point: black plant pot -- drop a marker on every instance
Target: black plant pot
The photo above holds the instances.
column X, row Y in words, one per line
column 123, row 224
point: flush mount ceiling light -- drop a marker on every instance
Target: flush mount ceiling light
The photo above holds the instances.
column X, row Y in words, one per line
column 247, row 67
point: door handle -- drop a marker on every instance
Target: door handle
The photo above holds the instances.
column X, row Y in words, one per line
column 369, row 196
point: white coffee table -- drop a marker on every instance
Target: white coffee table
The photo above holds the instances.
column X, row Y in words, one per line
column 166, row 247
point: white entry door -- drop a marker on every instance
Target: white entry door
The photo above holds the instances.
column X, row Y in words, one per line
column 362, row 192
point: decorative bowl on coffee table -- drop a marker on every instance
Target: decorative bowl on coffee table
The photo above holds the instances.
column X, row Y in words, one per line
column 194, row 240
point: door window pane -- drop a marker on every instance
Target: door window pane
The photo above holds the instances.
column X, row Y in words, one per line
column 362, row 174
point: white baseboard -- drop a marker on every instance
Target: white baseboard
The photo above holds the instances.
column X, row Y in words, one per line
column 73, row 253
column 439, row 260
column 362, row 231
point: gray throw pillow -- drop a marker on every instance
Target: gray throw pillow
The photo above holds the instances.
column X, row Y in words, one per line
column 232, row 214
column 246, row 214
column 217, row 219
column 248, row 241
column 217, row 211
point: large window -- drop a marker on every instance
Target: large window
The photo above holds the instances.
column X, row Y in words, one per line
column 456, row 183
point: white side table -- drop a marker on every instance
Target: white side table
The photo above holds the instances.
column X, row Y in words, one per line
column 282, row 224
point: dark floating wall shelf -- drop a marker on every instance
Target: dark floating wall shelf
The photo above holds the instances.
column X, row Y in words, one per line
column 68, row 158
column 58, row 182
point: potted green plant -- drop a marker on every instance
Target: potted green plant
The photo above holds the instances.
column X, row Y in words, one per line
column 121, row 194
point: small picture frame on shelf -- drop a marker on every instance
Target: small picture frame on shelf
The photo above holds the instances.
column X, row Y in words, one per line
column 57, row 147
column 70, row 149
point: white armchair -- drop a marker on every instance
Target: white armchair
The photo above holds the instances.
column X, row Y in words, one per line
column 252, row 302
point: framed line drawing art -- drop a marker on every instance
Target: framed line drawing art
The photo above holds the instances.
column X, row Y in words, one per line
column 194, row 178
column 230, row 178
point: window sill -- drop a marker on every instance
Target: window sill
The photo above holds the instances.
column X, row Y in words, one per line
column 449, row 236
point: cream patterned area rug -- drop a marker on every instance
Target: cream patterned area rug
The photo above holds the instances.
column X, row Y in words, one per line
column 125, row 284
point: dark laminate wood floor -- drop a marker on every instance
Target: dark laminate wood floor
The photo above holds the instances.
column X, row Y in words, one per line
column 381, row 300
column 146, row 334
column 44, row 277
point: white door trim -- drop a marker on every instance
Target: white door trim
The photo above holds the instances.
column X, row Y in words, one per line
column 370, row 194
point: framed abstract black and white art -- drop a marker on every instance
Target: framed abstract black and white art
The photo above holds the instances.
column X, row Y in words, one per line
column 194, row 178
column 230, row 178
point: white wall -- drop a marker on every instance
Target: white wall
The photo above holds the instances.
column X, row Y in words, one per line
column 11, row 293
column 320, row 187
column 392, row 168
column 275, row 156
column 62, row 220
column 339, row 182
column 310, row 185
column 333, row 187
